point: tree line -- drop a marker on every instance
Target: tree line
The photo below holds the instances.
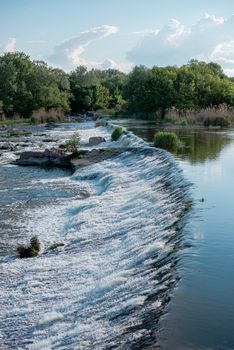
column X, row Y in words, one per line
column 27, row 86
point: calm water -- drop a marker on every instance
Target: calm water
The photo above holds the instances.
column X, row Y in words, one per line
column 201, row 314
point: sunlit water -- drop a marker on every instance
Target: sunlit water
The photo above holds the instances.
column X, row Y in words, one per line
column 201, row 313
column 122, row 223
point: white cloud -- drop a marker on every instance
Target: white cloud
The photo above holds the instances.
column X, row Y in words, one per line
column 110, row 64
column 210, row 38
column 229, row 72
column 146, row 32
column 35, row 42
column 9, row 45
column 224, row 53
column 69, row 53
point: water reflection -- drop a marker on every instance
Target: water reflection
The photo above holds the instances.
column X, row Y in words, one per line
column 199, row 144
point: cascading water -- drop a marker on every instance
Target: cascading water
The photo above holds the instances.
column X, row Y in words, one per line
column 121, row 221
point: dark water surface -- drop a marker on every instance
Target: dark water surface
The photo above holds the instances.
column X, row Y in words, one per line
column 201, row 314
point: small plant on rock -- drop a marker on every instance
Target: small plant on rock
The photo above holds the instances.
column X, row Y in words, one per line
column 30, row 250
column 73, row 144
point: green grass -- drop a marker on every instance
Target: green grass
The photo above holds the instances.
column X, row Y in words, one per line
column 15, row 122
column 167, row 140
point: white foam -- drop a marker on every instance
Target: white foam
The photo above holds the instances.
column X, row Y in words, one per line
column 112, row 239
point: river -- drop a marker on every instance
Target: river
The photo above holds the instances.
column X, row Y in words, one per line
column 138, row 270
column 201, row 313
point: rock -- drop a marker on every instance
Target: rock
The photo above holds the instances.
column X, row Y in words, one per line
column 51, row 125
column 48, row 158
column 96, row 140
column 86, row 158
column 89, row 114
column 58, row 158
column 49, row 140
column 8, row 146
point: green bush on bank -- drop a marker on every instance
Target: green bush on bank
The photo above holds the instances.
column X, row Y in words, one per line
column 167, row 140
column 221, row 121
column 116, row 133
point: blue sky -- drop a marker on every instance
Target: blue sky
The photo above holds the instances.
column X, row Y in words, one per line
column 117, row 33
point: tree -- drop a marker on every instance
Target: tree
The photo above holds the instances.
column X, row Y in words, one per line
column 26, row 86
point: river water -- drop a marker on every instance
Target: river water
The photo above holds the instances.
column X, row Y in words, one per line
column 201, row 313
column 121, row 222
column 131, row 245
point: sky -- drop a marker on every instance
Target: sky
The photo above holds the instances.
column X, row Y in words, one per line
column 119, row 33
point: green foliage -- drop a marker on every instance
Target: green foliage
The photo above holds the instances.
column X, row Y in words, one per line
column 73, row 144
column 27, row 85
column 1, row 107
column 167, row 140
column 96, row 89
column 117, row 132
column 194, row 86
column 30, row 250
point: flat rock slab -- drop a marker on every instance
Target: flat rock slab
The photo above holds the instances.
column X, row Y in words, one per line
column 48, row 158
column 86, row 158
column 57, row 158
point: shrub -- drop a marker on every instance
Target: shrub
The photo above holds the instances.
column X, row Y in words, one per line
column 223, row 122
column 73, row 144
column 116, row 133
column 30, row 250
column 167, row 140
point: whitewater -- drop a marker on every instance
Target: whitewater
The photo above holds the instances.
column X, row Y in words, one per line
column 121, row 221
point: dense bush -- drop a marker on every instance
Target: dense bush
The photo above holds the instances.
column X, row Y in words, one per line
column 223, row 122
column 73, row 144
column 167, row 140
column 117, row 132
column 30, row 250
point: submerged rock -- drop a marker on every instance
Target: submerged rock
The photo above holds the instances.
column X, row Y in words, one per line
column 96, row 140
column 51, row 125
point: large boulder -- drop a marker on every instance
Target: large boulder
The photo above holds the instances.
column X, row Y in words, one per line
column 48, row 158
column 96, row 140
